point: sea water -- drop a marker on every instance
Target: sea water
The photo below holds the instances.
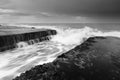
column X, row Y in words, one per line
column 17, row 61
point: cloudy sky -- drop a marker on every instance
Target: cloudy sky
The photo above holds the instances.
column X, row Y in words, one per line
column 27, row 11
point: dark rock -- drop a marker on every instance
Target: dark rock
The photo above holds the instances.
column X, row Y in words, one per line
column 98, row 58
column 9, row 41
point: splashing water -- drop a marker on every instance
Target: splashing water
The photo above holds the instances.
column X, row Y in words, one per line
column 17, row 61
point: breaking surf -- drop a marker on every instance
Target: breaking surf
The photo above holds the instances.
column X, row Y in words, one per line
column 26, row 56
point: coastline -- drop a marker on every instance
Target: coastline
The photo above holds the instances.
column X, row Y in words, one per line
column 95, row 59
column 10, row 37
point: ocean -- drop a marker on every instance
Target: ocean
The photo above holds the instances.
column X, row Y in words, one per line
column 100, row 26
column 69, row 35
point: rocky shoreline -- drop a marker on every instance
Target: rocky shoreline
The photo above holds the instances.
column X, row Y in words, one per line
column 30, row 36
column 97, row 58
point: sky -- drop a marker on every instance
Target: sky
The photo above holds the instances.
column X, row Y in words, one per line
column 59, row 11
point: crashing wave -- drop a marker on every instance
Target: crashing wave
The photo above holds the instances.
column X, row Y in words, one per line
column 69, row 36
column 27, row 55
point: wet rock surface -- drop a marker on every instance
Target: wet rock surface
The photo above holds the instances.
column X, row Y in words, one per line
column 17, row 35
column 98, row 58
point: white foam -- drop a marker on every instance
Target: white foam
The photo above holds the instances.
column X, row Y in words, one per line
column 76, row 36
column 66, row 39
column 22, row 44
column 70, row 36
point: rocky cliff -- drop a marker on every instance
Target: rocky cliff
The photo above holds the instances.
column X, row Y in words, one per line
column 98, row 58
column 10, row 41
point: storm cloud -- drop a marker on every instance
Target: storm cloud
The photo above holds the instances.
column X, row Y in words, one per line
column 69, row 7
column 107, row 9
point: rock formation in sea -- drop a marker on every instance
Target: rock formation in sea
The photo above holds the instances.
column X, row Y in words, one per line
column 98, row 58
column 10, row 38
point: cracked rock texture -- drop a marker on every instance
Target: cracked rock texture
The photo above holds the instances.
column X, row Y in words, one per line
column 98, row 58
